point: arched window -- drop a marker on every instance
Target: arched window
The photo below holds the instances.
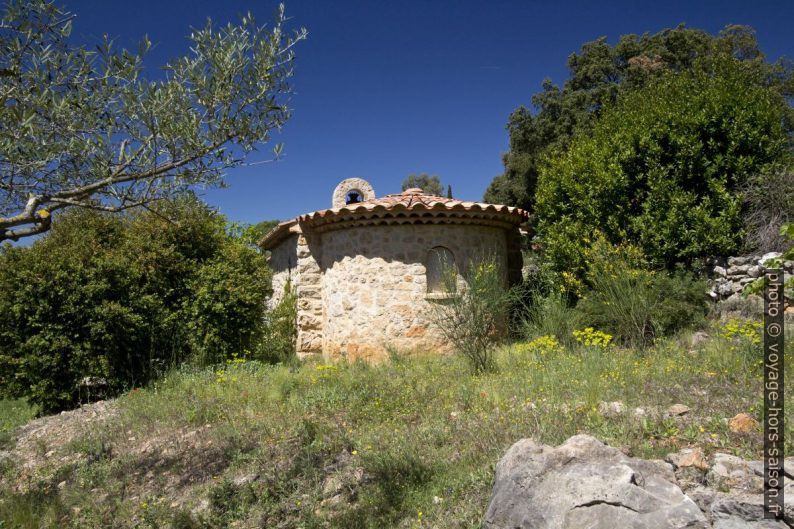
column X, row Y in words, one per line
column 440, row 270
column 353, row 197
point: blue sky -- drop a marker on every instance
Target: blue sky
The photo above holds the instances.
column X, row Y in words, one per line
column 385, row 89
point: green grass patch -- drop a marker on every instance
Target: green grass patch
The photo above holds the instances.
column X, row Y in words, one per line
column 13, row 413
column 411, row 443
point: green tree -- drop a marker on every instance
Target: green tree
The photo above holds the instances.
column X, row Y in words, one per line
column 225, row 307
column 599, row 74
column 121, row 298
column 431, row 185
column 663, row 169
column 82, row 127
column 260, row 229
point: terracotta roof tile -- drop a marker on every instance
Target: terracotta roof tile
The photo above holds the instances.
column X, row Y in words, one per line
column 411, row 201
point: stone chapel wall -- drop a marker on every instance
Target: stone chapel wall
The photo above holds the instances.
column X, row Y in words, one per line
column 284, row 263
column 374, row 291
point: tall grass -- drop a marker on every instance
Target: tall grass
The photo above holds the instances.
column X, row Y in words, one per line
column 13, row 413
column 639, row 306
column 553, row 315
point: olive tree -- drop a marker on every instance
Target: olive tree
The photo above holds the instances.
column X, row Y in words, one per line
column 84, row 127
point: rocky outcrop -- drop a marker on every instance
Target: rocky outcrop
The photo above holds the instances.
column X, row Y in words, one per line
column 584, row 483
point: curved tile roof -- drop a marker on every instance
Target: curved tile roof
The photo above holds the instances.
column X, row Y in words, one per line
column 409, row 207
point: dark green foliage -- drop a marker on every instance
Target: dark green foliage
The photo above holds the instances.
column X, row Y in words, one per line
column 281, row 329
column 224, row 311
column 553, row 315
column 259, row 230
column 431, row 185
column 769, row 204
column 70, row 307
column 538, row 286
column 619, row 295
column 663, row 169
column 104, row 303
column 599, row 75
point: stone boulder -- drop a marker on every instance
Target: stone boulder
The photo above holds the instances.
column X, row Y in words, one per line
column 768, row 256
column 743, row 423
column 584, row 483
column 742, row 512
column 737, row 475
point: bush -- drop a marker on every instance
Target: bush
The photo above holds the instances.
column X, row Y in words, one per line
column 71, row 308
column 281, row 329
column 590, row 337
column 638, row 306
column 538, row 282
column 474, row 318
column 107, row 302
column 769, row 204
column 553, row 315
column 225, row 308
column 663, row 169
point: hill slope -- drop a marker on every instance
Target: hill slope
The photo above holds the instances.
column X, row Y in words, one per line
column 409, row 444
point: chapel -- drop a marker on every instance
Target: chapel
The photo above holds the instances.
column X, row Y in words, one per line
column 367, row 270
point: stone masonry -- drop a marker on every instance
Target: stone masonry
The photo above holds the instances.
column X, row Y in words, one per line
column 360, row 270
column 732, row 276
column 374, row 285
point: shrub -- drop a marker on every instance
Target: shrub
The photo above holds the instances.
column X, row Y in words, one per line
column 538, row 281
column 542, row 345
column 742, row 338
column 225, row 309
column 637, row 306
column 541, row 349
column 664, row 169
column 474, row 318
column 281, row 329
column 112, row 301
column 553, row 315
column 769, row 204
column 71, row 308
column 590, row 337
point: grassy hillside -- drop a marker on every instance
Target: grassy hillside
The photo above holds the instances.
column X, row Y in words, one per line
column 13, row 413
column 412, row 443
